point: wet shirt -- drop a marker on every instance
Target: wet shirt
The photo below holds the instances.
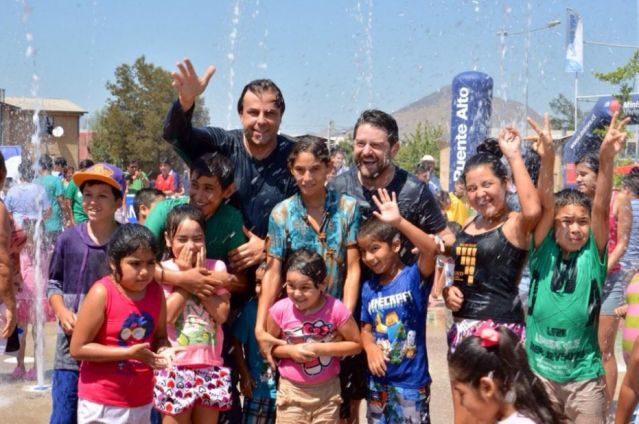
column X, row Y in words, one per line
column 53, row 186
column 416, row 203
column 397, row 313
column 223, row 231
column 290, row 230
column 74, row 195
column 261, row 184
column 487, row 271
column 563, row 311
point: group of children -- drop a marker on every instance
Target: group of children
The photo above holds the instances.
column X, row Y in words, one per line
column 145, row 340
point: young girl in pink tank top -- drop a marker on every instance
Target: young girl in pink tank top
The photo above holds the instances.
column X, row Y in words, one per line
column 120, row 333
column 197, row 385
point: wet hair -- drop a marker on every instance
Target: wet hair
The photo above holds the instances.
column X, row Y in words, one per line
column 127, row 239
column 26, row 170
column 309, row 264
column 214, row 165
column 590, row 160
column 571, row 196
column 316, row 147
column 381, row 120
column 258, row 87
column 117, row 194
column 488, row 153
column 631, row 181
column 60, row 161
column 86, row 163
column 378, row 231
column 46, row 162
column 145, row 197
column 180, row 214
column 507, row 363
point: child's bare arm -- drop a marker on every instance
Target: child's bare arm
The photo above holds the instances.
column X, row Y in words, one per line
column 376, row 358
column 246, row 381
column 218, row 306
column 352, row 280
column 349, row 345
column 161, row 338
column 90, row 319
column 611, row 145
column 509, row 144
column 175, row 304
column 629, row 392
column 545, row 188
column 390, row 214
column 297, row 352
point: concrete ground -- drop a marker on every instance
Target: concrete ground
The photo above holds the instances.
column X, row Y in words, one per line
column 20, row 405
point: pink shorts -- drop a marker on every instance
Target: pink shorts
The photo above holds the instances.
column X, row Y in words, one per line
column 179, row 389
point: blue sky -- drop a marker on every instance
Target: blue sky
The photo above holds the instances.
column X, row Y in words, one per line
column 331, row 58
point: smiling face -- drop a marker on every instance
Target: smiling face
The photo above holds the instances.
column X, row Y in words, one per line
column 310, row 175
column 572, row 226
column 189, row 235
column 586, row 180
column 302, row 291
column 380, row 256
column 372, row 152
column 98, row 202
column 136, row 270
column 206, row 194
column 261, row 119
column 486, row 192
column 165, row 168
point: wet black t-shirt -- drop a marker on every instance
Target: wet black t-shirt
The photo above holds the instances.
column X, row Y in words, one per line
column 416, row 203
column 261, row 184
column 487, row 271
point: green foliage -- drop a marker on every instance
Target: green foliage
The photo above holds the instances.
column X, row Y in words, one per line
column 423, row 141
column 623, row 77
column 130, row 125
column 563, row 113
column 347, row 147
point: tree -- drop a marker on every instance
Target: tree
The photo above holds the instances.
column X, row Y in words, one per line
column 423, row 141
column 623, row 77
column 563, row 113
column 130, row 125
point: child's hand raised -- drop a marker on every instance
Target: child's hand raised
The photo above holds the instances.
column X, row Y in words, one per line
column 300, row 353
column 388, row 207
column 543, row 143
column 185, row 259
column 510, row 142
column 615, row 138
column 376, row 360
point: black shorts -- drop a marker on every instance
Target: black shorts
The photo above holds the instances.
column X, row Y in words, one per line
column 353, row 379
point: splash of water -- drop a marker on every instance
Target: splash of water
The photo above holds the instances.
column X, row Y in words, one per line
column 235, row 21
column 365, row 63
column 39, row 247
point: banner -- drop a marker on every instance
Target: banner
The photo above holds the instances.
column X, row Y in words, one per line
column 574, row 42
column 585, row 140
column 472, row 94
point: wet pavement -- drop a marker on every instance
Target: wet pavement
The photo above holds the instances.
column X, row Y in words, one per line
column 19, row 405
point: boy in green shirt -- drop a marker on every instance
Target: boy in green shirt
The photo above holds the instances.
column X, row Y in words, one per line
column 73, row 198
column 211, row 184
column 568, row 266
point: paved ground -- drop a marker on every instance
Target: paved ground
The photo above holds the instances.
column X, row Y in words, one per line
column 18, row 405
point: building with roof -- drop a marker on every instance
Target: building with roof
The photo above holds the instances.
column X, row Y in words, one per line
column 17, row 125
